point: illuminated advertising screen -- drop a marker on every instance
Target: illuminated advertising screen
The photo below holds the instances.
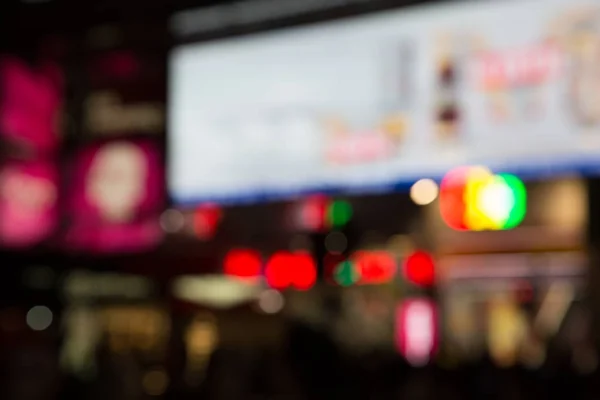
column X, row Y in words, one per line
column 116, row 196
column 375, row 102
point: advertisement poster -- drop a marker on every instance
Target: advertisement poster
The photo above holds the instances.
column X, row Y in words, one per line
column 28, row 203
column 116, row 197
column 374, row 103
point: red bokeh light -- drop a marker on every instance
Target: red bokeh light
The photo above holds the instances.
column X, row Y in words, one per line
column 452, row 198
column 243, row 264
column 375, row 267
column 206, row 220
column 311, row 213
column 419, row 269
column 305, row 271
column 285, row 269
column 417, row 330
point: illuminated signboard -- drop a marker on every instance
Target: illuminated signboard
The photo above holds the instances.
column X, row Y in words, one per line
column 376, row 102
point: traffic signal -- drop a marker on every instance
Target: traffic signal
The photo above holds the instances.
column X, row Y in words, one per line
column 473, row 198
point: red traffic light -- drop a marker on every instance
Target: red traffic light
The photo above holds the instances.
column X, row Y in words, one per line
column 419, row 269
column 285, row 269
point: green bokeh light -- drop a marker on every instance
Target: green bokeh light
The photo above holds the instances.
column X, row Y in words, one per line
column 339, row 213
column 346, row 274
column 519, row 204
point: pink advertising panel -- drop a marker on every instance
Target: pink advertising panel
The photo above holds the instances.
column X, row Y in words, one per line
column 28, row 203
column 116, row 197
column 30, row 103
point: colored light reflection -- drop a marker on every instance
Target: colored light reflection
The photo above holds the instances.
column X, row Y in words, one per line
column 473, row 198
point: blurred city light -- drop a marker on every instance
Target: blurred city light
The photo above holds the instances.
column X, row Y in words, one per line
column 346, row 273
column 172, row 221
column 271, row 301
column 286, row 269
column 243, row 264
column 217, row 291
column 39, row 318
column 374, row 267
column 336, row 242
column 339, row 213
column 417, row 330
column 473, row 198
column 206, row 220
column 424, row 192
column 317, row 213
column 419, row 269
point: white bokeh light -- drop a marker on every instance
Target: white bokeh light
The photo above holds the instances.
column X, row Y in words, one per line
column 39, row 318
column 424, row 192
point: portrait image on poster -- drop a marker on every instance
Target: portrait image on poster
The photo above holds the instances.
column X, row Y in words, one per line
column 116, row 197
